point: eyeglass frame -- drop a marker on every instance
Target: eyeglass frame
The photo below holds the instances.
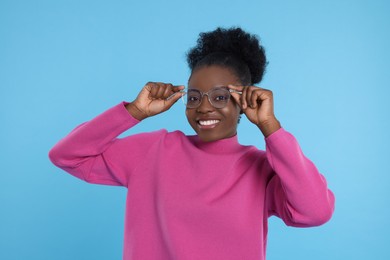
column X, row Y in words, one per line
column 202, row 94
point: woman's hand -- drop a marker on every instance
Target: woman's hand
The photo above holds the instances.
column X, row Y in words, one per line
column 258, row 106
column 154, row 98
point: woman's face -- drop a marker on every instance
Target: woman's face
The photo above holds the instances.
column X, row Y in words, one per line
column 211, row 123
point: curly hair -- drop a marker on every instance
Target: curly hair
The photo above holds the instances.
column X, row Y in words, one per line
column 232, row 48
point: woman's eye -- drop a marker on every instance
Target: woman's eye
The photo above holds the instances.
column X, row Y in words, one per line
column 192, row 99
column 220, row 98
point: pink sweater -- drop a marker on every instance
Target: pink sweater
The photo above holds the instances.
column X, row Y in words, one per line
column 190, row 200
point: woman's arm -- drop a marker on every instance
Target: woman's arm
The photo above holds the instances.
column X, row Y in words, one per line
column 93, row 152
column 297, row 192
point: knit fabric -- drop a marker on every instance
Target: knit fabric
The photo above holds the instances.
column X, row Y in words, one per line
column 189, row 200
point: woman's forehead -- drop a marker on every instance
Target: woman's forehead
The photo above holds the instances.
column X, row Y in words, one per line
column 209, row 77
column 213, row 87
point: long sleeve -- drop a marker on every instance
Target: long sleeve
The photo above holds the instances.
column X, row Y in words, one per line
column 297, row 192
column 93, row 153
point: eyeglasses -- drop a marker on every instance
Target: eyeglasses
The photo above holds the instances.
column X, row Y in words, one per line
column 218, row 97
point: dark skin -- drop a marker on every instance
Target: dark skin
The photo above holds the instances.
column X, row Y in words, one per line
column 256, row 103
column 224, row 120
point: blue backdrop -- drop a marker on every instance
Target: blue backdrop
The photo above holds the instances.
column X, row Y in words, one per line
column 63, row 62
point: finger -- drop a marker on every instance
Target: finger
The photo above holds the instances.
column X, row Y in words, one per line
column 175, row 96
column 264, row 94
column 252, row 97
column 236, row 98
column 244, row 96
column 248, row 97
column 153, row 88
column 267, row 96
column 172, row 99
column 255, row 98
column 167, row 90
column 161, row 87
column 148, row 86
column 176, row 90
column 159, row 90
column 235, row 92
column 237, row 89
column 145, row 92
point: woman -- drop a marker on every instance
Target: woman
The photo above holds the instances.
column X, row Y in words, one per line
column 203, row 196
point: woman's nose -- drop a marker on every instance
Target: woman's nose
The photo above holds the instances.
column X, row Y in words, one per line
column 205, row 105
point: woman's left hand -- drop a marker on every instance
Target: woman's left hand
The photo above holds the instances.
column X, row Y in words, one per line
column 258, row 106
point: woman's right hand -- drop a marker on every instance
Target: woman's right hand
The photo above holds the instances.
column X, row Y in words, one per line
column 154, row 98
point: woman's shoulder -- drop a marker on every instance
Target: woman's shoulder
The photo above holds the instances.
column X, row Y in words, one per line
column 175, row 136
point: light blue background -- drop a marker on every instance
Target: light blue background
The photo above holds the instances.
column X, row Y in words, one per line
column 63, row 62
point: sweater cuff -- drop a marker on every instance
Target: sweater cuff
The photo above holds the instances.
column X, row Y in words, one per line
column 280, row 133
column 125, row 114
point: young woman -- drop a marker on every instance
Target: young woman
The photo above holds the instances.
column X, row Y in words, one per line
column 203, row 196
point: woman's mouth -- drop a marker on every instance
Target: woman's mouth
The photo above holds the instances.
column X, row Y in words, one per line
column 207, row 124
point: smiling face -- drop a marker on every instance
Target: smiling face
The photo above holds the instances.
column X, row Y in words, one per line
column 211, row 123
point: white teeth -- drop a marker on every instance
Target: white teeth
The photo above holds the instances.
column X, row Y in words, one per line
column 208, row 122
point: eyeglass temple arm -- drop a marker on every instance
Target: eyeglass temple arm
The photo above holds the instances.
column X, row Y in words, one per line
column 235, row 91
column 171, row 96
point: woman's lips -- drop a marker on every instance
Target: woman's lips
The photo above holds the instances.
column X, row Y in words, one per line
column 208, row 124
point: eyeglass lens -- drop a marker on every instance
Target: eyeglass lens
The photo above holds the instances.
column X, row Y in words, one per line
column 218, row 97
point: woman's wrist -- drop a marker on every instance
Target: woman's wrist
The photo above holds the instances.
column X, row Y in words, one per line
column 135, row 112
column 269, row 127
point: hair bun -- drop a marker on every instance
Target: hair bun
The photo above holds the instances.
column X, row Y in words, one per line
column 233, row 41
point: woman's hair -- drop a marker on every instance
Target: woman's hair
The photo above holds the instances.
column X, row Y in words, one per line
column 232, row 48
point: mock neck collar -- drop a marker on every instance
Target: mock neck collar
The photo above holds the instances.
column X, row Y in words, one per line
column 222, row 146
